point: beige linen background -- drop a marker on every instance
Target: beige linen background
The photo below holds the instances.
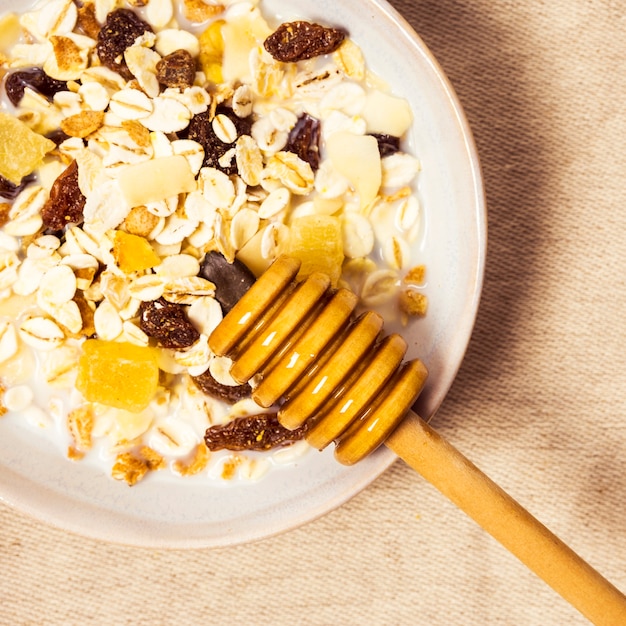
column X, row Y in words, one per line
column 539, row 404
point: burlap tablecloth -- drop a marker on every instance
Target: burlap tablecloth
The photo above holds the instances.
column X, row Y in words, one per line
column 539, row 403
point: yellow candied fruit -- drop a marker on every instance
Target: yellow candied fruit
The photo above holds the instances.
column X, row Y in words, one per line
column 211, row 51
column 316, row 240
column 118, row 374
column 133, row 253
column 21, row 149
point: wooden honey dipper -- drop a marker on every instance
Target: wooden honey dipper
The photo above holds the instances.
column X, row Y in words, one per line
column 345, row 379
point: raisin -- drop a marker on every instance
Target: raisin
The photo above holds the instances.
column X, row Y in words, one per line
column 168, row 324
column 228, row 393
column 34, row 78
column 201, row 130
column 119, row 32
column 254, row 432
column 387, row 144
column 297, row 41
column 58, row 136
column 231, row 280
column 9, row 190
column 66, row 202
column 177, row 69
column 304, row 140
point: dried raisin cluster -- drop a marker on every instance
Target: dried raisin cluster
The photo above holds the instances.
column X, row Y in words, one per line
column 10, row 191
column 255, row 432
column 227, row 393
column 201, row 130
column 168, row 324
column 304, row 140
column 119, row 32
column 34, row 78
column 298, row 41
column 177, row 69
column 65, row 205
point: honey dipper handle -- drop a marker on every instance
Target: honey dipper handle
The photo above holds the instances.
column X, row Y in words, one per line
column 508, row 522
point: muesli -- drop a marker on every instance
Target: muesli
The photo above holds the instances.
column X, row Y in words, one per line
column 157, row 155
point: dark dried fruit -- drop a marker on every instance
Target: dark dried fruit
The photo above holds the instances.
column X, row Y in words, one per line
column 66, row 202
column 58, row 136
column 297, row 41
column 177, row 70
column 9, row 190
column 255, row 432
column 231, row 280
column 227, row 393
column 119, row 32
column 387, row 144
column 201, row 130
column 34, row 78
column 168, row 324
column 304, row 140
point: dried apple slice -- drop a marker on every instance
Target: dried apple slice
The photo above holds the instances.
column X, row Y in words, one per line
column 358, row 159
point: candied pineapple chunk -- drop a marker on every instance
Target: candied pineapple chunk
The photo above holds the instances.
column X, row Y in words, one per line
column 316, row 240
column 211, row 51
column 21, row 149
column 121, row 375
column 133, row 253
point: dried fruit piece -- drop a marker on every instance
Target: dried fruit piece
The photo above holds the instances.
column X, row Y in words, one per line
column 155, row 180
column 201, row 130
column 66, row 202
column 358, row 159
column 117, row 374
column 231, row 280
column 133, row 253
column 34, row 78
column 26, row 147
column 228, row 393
column 255, row 432
column 198, row 11
column 168, row 324
column 317, row 241
column 304, row 140
column 386, row 114
column 9, row 190
column 119, row 32
column 211, row 44
column 387, row 144
column 300, row 40
column 177, row 69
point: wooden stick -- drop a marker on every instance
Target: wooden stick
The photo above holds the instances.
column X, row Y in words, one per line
column 508, row 522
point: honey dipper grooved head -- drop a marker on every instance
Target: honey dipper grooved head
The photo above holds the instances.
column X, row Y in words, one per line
column 335, row 373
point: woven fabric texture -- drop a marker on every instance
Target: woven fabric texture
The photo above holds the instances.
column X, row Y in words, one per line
column 539, row 403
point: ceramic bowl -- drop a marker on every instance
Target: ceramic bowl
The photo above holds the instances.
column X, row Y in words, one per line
column 191, row 513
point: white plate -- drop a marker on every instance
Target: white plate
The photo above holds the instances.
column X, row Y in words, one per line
column 187, row 513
